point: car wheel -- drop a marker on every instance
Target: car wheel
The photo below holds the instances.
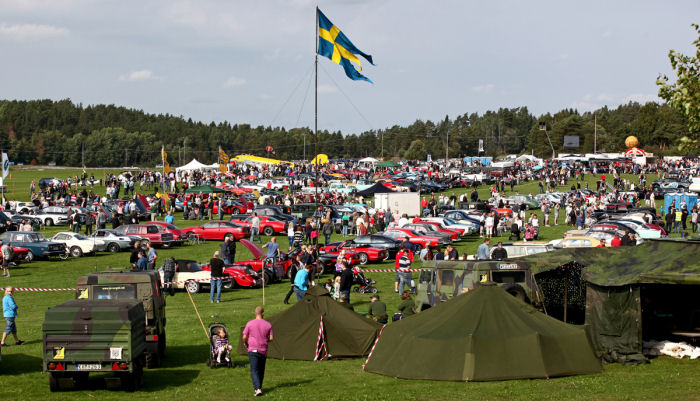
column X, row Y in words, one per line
column 29, row 256
column 267, row 277
column 292, row 272
column 363, row 258
column 227, row 283
column 48, row 222
column 76, row 252
column 114, row 247
column 268, row 231
column 192, row 287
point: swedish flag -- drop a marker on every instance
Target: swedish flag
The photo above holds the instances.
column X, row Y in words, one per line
column 336, row 46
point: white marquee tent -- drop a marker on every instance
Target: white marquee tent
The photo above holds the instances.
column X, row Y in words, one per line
column 196, row 165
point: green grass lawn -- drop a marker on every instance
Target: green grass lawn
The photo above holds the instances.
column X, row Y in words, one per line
column 184, row 374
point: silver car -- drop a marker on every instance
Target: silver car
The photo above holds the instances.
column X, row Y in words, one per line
column 114, row 242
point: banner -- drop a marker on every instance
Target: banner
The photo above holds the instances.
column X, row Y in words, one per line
column 164, row 156
column 5, row 165
column 481, row 145
column 223, row 160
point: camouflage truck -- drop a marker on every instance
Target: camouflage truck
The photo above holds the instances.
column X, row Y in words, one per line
column 442, row 280
column 142, row 285
column 83, row 336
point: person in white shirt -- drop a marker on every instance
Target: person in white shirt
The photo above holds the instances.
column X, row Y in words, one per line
column 403, row 221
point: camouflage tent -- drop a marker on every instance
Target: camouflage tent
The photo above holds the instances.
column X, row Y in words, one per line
column 345, row 333
column 629, row 288
column 485, row 334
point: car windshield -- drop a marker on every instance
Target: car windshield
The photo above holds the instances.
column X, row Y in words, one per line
column 194, row 267
column 36, row 237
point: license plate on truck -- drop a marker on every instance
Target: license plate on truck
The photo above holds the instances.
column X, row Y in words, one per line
column 88, row 366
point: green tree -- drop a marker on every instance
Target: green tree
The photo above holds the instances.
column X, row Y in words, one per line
column 684, row 94
column 416, row 151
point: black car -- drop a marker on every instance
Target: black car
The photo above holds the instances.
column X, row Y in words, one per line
column 379, row 241
column 273, row 211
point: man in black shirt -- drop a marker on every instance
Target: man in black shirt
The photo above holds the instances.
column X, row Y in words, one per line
column 346, row 281
column 217, row 271
column 500, row 252
column 626, row 240
column 135, row 254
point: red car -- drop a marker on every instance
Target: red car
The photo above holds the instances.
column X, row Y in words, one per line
column 178, row 235
column 413, row 237
column 363, row 252
column 454, row 234
column 269, row 226
column 285, row 266
column 241, row 276
column 218, row 230
column 19, row 254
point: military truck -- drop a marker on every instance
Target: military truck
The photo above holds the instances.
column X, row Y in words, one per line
column 83, row 336
column 142, row 285
column 441, row 280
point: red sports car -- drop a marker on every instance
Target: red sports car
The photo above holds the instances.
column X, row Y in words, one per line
column 268, row 225
column 241, row 276
column 178, row 235
column 413, row 237
column 284, row 267
column 454, row 234
column 363, row 252
column 218, row 230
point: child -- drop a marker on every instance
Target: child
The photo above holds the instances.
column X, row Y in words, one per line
column 336, row 288
column 221, row 345
column 329, row 285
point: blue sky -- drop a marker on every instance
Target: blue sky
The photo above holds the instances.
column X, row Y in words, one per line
column 252, row 61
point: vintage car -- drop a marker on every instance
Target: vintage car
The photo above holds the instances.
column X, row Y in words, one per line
column 268, row 225
column 113, row 242
column 178, row 235
column 189, row 275
column 78, row 244
column 365, row 253
column 36, row 243
column 285, row 267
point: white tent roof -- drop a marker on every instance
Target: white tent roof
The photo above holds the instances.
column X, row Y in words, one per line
column 368, row 160
column 194, row 165
column 526, row 157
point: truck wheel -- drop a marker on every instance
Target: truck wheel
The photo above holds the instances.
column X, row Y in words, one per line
column 113, row 247
column 192, row 287
column 517, row 291
column 76, row 252
column 268, row 231
column 363, row 258
column 53, row 381
column 152, row 360
column 161, row 345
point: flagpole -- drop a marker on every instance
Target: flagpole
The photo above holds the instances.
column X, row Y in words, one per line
column 316, row 110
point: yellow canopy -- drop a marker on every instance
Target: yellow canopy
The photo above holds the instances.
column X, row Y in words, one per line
column 320, row 158
column 258, row 159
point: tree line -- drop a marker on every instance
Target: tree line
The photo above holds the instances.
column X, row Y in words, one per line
column 61, row 132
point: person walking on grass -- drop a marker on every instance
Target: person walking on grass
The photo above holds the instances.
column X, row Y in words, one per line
column 257, row 334
column 9, row 312
column 217, row 274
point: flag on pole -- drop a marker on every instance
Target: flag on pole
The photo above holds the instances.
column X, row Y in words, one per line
column 332, row 43
column 5, row 165
column 223, row 160
column 481, row 145
column 164, row 157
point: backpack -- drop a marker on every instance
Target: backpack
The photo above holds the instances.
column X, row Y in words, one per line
column 169, row 266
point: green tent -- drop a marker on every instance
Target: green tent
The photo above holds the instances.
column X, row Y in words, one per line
column 485, row 334
column 205, row 189
column 634, row 293
column 387, row 163
column 345, row 333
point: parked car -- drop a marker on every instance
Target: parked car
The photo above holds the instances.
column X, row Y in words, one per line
column 218, row 230
column 53, row 215
column 285, row 267
column 450, row 224
column 578, row 242
column 268, row 225
column 78, row 244
column 242, row 276
column 146, row 233
column 113, row 242
column 188, row 275
column 365, row 252
column 519, row 249
column 36, row 243
column 433, row 230
column 390, row 244
column 178, row 235
column 419, row 241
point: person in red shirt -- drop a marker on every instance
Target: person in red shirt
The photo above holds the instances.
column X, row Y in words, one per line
column 602, row 243
column 616, row 241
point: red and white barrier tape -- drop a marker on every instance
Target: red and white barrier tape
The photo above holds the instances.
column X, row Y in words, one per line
column 321, row 343
column 392, row 270
column 373, row 345
column 42, row 289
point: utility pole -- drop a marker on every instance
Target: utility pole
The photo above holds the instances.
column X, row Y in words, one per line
column 304, row 158
column 447, row 146
column 83, row 154
column 543, row 127
column 184, row 151
column 382, row 144
column 595, row 133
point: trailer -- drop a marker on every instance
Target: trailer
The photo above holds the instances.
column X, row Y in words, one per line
column 402, row 202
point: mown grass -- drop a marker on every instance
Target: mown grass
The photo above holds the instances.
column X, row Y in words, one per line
column 185, row 375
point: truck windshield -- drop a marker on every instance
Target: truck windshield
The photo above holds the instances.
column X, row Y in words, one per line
column 121, row 291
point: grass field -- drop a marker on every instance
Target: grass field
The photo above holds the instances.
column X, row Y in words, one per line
column 185, row 375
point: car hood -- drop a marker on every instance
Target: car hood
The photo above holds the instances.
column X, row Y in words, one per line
column 257, row 252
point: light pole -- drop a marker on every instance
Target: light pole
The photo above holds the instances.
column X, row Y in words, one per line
column 543, row 127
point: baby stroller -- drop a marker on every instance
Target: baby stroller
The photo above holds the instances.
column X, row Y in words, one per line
column 212, row 361
column 364, row 284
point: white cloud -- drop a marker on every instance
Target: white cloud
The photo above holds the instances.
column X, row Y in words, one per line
column 234, row 81
column 140, row 75
column 607, row 34
column 486, row 88
column 641, row 98
column 327, row 89
column 31, row 31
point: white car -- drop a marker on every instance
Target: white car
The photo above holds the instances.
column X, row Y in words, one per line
column 451, row 224
column 77, row 244
column 275, row 185
column 188, row 275
column 53, row 215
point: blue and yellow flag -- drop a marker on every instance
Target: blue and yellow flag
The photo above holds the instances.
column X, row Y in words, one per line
column 336, row 46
